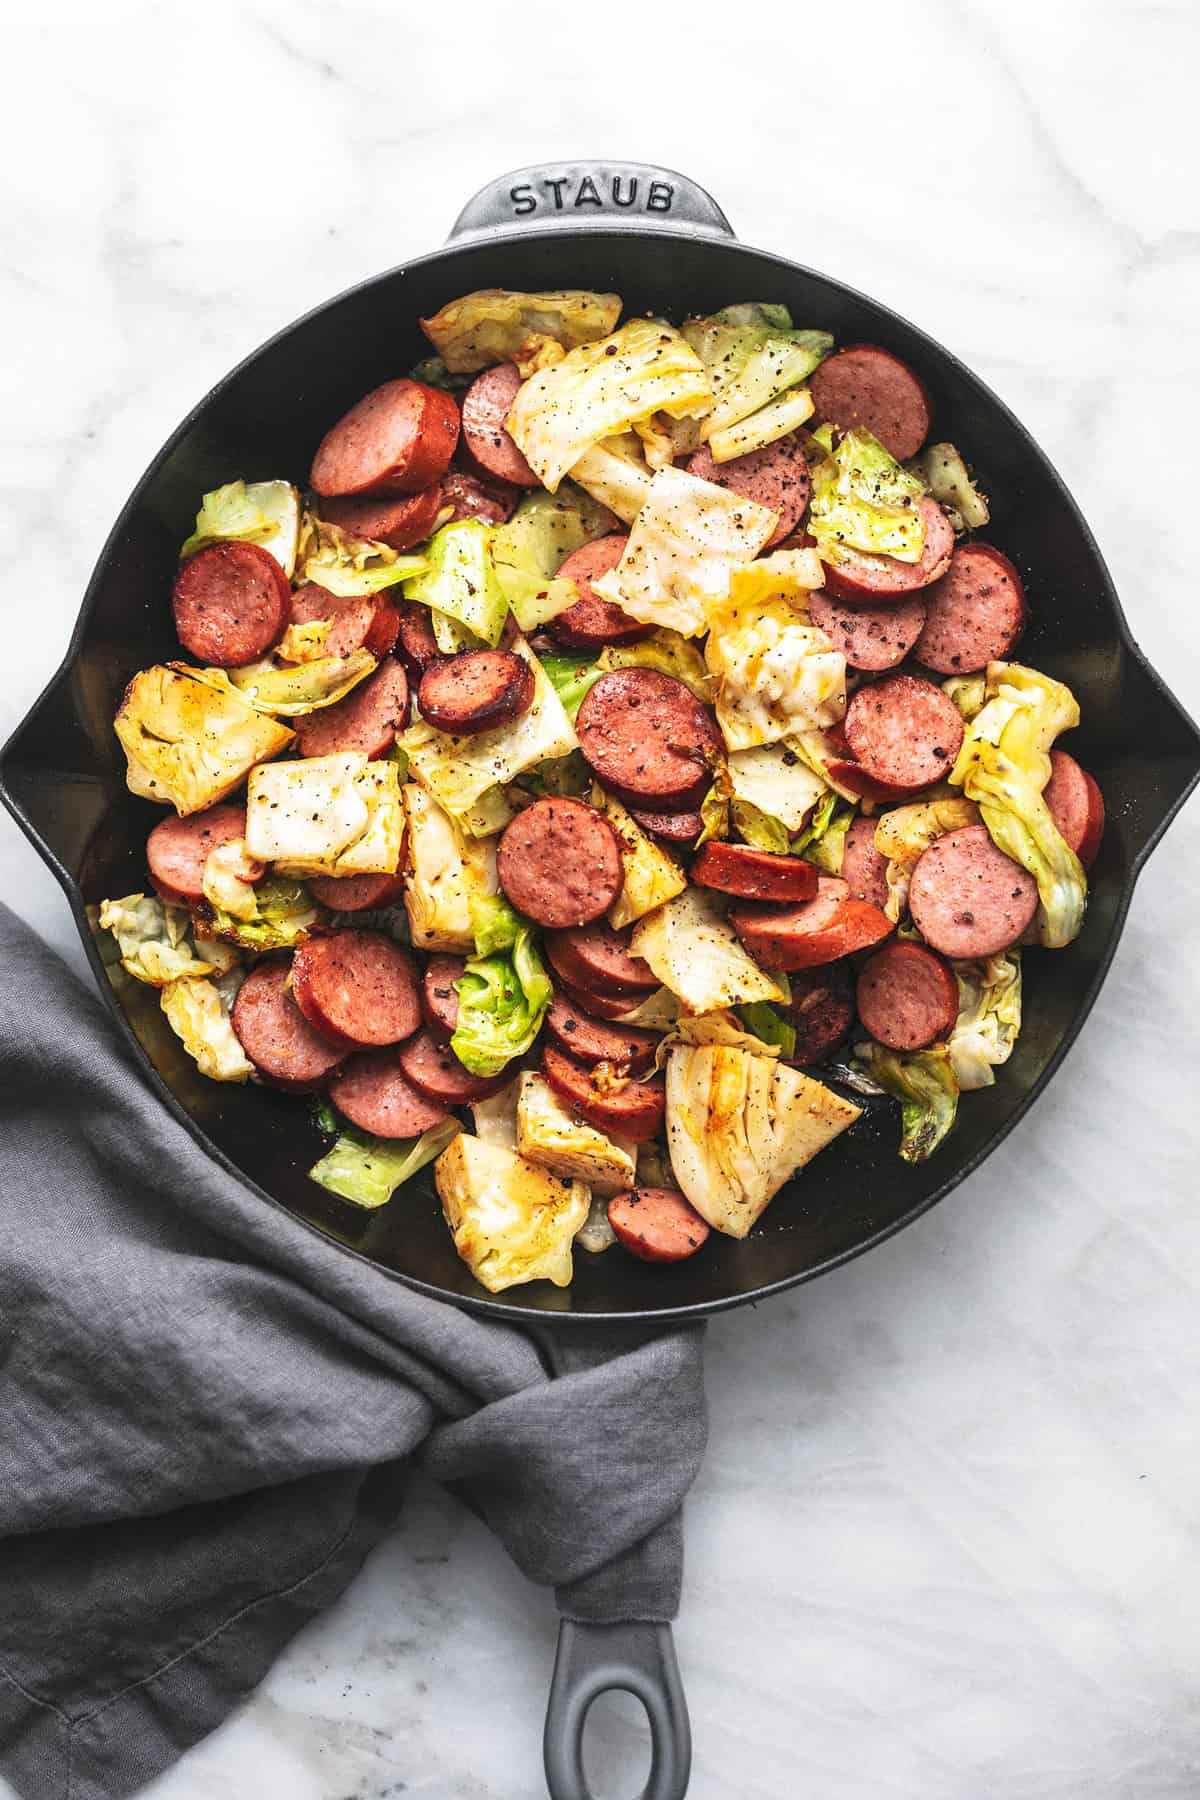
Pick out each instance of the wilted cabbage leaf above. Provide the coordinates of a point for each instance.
(496, 325)
(348, 566)
(785, 414)
(266, 513)
(155, 940)
(283, 915)
(511, 1220)
(862, 499)
(447, 871)
(944, 473)
(667, 651)
(599, 389)
(556, 1139)
(197, 1010)
(751, 362)
(777, 674)
(527, 551)
(502, 999)
(989, 1017)
(596, 1234)
(615, 474)
(290, 692)
(229, 876)
(571, 674)
(823, 840)
(739, 1124)
(652, 876)
(460, 580)
(775, 781)
(766, 1023)
(1003, 766)
(367, 1170)
(924, 1083)
(188, 742)
(326, 815)
(694, 950)
(903, 835)
(968, 692)
(496, 1118)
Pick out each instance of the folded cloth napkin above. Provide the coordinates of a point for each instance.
(206, 1409)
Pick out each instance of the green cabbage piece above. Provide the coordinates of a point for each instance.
(367, 1170)
(714, 812)
(767, 1023)
(784, 414)
(968, 692)
(565, 777)
(757, 828)
(862, 499)
(944, 473)
(615, 474)
(925, 1084)
(527, 551)
(460, 579)
(756, 312)
(433, 372)
(823, 840)
(155, 939)
(286, 913)
(571, 677)
(751, 362)
(290, 691)
(496, 325)
(495, 924)
(503, 995)
(989, 1017)
(266, 513)
(1004, 765)
(348, 566)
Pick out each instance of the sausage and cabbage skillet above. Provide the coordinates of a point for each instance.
(613, 767)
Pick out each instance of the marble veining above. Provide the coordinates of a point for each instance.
(945, 1543)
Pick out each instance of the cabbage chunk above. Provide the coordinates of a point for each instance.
(554, 1138)
(495, 325)
(290, 692)
(326, 815)
(1003, 766)
(652, 876)
(600, 389)
(739, 1124)
(925, 1085)
(989, 1018)
(777, 674)
(447, 871)
(155, 940)
(751, 361)
(786, 413)
(905, 833)
(863, 500)
(283, 915)
(348, 566)
(228, 880)
(187, 742)
(777, 782)
(461, 582)
(944, 473)
(266, 513)
(685, 544)
(511, 1220)
(694, 950)
(615, 474)
(197, 1011)
(527, 551)
(367, 1170)
(504, 991)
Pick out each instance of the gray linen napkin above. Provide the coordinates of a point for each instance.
(206, 1410)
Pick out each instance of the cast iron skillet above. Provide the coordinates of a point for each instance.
(665, 246)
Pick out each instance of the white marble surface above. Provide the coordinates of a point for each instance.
(944, 1545)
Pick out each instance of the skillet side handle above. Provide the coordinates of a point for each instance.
(639, 1658)
(579, 193)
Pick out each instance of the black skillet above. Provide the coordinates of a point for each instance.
(663, 244)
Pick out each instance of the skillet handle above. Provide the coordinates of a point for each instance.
(582, 193)
(639, 1658)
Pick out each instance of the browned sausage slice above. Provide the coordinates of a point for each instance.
(657, 1224)
(775, 477)
(360, 622)
(231, 603)
(864, 388)
(486, 405)
(399, 523)
(436, 1071)
(472, 498)
(356, 893)
(1076, 806)
(907, 997)
(676, 828)
(559, 862)
(592, 622)
(274, 1033)
(367, 720)
(417, 647)
(439, 996)
(818, 931)
(975, 613)
(398, 439)
(874, 580)
(476, 691)
(754, 874)
(967, 898)
(599, 1006)
(904, 731)
(177, 850)
(864, 868)
(356, 988)
(597, 959)
(591, 1041)
(372, 1091)
(648, 739)
(821, 1011)
(869, 637)
(628, 1109)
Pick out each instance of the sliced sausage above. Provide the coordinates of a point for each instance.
(860, 576)
(559, 862)
(974, 614)
(274, 1033)
(821, 1011)
(373, 1092)
(818, 931)
(592, 1041)
(356, 893)
(864, 388)
(754, 874)
(476, 691)
(599, 1006)
(398, 439)
(648, 739)
(436, 1071)
(417, 647)
(177, 850)
(869, 637)
(907, 997)
(357, 988)
(360, 621)
(366, 720)
(473, 498)
(864, 868)
(967, 898)
(439, 996)
(597, 959)
(592, 622)
(399, 523)
(231, 603)
(627, 1108)
(1076, 806)
(486, 405)
(775, 477)
(676, 828)
(904, 732)
(657, 1224)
